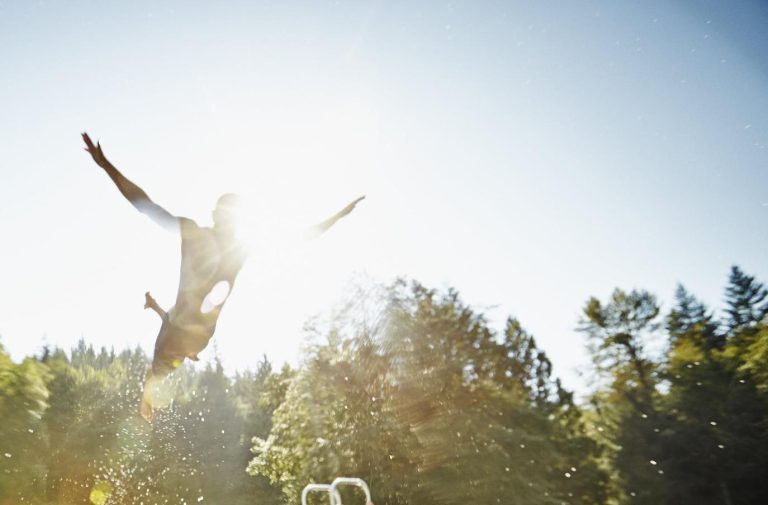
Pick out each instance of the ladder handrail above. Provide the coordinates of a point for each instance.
(333, 494)
(352, 481)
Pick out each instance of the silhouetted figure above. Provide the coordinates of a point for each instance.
(211, 258)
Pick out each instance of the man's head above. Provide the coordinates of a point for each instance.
(227, 210)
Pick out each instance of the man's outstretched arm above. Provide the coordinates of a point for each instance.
(131, 191)
(320, 228)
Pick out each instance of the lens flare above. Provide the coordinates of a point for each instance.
(100, 493)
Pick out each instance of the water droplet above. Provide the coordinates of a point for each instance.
(653, 462)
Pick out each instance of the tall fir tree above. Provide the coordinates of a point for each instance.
(746, 300)
(626, 399)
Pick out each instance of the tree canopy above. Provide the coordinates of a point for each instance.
(413, 390)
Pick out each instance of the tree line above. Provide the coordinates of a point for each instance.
(412, 389)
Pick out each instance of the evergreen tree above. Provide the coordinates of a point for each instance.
(699, 383)
(626, 399)
(23, 399)
(689, 314)
(746, 300)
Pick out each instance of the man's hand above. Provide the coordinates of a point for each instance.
(346, 210)
(95, 151)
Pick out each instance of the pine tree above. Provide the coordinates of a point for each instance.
(626, 399)
(746, 300)
(690, 314)
(23, 398)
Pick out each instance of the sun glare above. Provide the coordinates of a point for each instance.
(305, 169)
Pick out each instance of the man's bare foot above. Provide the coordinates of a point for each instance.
(149, 301)
(145, 409)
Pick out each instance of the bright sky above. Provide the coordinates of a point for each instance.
(530, 154)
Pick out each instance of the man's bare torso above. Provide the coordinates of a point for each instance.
(210, 263)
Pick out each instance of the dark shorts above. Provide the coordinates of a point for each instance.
(174, 344)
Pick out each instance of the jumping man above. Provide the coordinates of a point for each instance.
(211, 258)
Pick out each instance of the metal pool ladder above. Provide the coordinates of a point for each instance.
(332, 489)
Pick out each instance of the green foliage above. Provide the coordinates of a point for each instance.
(746, 298)
(687, 426)
(626, 401)
(412, 390)
(429, 405)
(71, 432)
(23, 400)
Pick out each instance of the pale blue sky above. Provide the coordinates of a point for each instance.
(530, 154)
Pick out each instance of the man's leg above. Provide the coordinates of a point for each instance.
(145, 408)
(151, 303)
(159, 367)
(152, 396)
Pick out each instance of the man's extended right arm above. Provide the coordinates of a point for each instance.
(131, 191)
